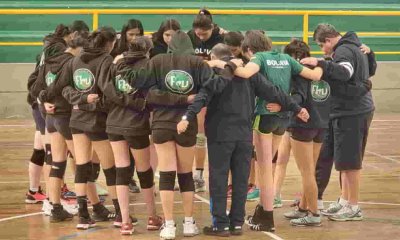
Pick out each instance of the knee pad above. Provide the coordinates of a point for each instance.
(167, 181)
(186, 183)
(201, 140)
(58, 169)
(146, 178)
(83, 172)
(111, 176)
(95, 172)
(123, 176)
(48, 157)
(38, 157)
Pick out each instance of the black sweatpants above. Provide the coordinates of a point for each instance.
(222, 157)
(325, 162)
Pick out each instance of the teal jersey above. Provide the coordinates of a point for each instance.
(279, 69)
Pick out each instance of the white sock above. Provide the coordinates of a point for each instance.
(34, 189)
(189, 220)
(343, 202)
(169, 223)
(198, 173)
(354, 208)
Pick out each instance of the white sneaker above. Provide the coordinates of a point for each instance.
(47, 207)
(190, 229)
(70, 208)
(320, 205)
(167, 232)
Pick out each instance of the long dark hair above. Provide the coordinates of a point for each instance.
(60, 32)
(131, 24)
(168, 24)
(100, 37)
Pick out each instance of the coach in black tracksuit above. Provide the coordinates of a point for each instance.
(228, 127)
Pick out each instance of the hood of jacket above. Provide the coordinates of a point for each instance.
(181, 44)
(89, 54)
(348, 38)
(57, 62)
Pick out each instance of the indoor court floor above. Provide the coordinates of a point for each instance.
(379, 194)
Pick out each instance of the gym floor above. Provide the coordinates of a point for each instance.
(379, 195)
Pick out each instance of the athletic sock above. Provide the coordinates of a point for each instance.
(354, 207)
(342, 201)
(169, 223)
(33, 190)
(83, 209)
(188, 219)
(199, 173)
(116, 206)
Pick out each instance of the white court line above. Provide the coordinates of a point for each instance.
(382, 156)
(41, 213)
(364, 203)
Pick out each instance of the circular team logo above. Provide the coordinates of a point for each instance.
(320, 90)
(83, 80)
(122, 86)
(50, 77)
(179, 81)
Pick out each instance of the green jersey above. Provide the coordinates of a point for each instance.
(279, 69)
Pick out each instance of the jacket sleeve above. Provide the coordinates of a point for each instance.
(270, 93)
(106, 85)
(201, 100)
(299, 90)
(73, 96)
(159, 97)
(372, 65)
(39, 83)
(216, 83)
(342, 66)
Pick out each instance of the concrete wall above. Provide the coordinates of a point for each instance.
(13, 79)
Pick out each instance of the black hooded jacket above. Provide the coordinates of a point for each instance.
(347, 74)
(179, 72)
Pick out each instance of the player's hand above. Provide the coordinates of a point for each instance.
(92, 98)
(217, 63)
(182, 126)
(311, 61)
(190, 98)
(273, 107)
(303, 115)
(50, 108)
(365, 49)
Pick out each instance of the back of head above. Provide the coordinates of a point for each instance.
(233, 39)
(79, 26)
(132, 24)
(221, 52)
(203, 22)
(61, 31)
(101, 37)
(324, 31)
(141, 45)
(297, 49)
(181, 44)
(206, 12)
(256, 41)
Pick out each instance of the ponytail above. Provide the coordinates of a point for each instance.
(100, 37)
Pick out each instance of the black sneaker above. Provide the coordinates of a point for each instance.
(266, 222)
(214, 231)
(58, 214)
(102, 214)
(236, 230)
(85, 223)
(133, 188)
(255, 218)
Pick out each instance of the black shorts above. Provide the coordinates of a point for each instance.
(40, 122)
(59, 124)
(274, 124)
(161, 136)
(316, 135)
(93, 136)
(135, 142)
(350, 138)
